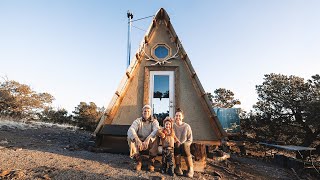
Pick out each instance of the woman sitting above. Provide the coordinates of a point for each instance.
(184, 134)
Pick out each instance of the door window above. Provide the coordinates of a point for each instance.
(161, 94)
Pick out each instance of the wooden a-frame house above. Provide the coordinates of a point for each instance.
(161, 74)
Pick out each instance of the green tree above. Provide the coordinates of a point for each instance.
(87, 115)
(19, 101)
(223, 98)
(59, 116)
(157, 94)
(288, 109)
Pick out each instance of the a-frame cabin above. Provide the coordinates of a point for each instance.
(160, 74)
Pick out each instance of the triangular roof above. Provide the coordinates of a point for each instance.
(140, 55)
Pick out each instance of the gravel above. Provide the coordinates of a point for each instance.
(35, 150)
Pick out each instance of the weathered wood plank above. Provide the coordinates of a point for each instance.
(112, 144)
(114, 130)
(199, 151)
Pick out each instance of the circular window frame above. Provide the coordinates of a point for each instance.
(158, 45)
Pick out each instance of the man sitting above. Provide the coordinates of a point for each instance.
(142, 136)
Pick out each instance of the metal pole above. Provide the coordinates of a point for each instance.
(130, 16)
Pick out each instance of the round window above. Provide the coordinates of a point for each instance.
(161, 51)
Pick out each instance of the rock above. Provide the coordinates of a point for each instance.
(222, 158)
(4, 173)
(46, 177)
(4, 142)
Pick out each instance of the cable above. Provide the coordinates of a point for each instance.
(142, 18)
(139, 28)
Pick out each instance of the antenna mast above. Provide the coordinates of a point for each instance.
(130, 16)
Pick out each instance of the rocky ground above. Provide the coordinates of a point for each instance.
(47, 151)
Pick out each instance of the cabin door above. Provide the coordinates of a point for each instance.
(161, 94)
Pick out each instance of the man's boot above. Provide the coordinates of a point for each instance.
(190, 166)
(151, 163)
(138, 161)
(178, 170)
(170, 171)
(164, 168)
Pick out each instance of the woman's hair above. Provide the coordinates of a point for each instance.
(179, 110)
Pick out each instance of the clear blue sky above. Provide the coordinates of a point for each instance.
(76, 49)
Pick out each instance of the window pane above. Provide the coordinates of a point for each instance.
(160, 100)
(161, 52)
(161, 86)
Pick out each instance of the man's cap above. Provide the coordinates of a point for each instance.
(147, 106)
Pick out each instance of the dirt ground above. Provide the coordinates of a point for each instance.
(46, 151)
